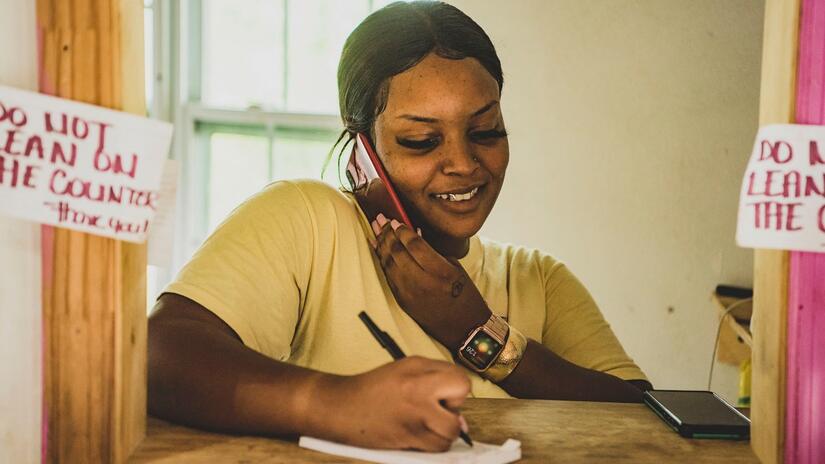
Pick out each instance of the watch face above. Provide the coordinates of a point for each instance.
(482, 350)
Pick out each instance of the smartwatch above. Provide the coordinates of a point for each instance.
(484, 344)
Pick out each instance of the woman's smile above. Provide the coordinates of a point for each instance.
(461, 200)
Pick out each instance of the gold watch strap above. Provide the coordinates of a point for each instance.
(498, 326)
(509, 357)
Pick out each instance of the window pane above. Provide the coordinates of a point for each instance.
(238, 168)
(243, 53)
(301, 154)
(317, 31)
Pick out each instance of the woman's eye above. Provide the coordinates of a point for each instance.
(418, 144)
(487, 135)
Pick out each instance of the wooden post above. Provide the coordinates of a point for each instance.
(769, 324)
(94, 301)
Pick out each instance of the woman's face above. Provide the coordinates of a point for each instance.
(441, 139)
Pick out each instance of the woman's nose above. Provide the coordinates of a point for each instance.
(459, 158)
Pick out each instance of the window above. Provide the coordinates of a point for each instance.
(277, 55)
(251, 88)
(260, 102)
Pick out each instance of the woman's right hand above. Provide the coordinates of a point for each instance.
(396, 406)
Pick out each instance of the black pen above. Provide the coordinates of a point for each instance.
(389, 344)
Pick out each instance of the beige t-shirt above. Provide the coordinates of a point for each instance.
(290, 269)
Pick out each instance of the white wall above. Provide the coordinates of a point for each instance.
(20, 309)
(631, 122)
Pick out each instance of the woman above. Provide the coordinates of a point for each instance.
(259, 333)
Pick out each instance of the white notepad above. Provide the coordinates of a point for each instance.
(459, 453)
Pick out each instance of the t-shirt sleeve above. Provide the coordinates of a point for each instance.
(575, 328)
(253, 271)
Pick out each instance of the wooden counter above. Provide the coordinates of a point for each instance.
(549, 431)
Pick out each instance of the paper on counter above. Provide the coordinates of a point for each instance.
(459, 453)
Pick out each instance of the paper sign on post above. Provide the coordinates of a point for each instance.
(782, 201)
(79, 166)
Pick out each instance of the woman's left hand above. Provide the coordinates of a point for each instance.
(435, 291)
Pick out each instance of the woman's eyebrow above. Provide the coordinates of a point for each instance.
(478, 112)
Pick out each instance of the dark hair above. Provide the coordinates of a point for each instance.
(394, 39)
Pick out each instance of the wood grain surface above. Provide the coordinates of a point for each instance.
(94, 299)
(549, 431)
(770, 285)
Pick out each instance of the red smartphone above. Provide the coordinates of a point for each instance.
(371, 185)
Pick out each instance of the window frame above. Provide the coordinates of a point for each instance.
(187, 111)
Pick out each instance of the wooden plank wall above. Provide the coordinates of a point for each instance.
(95, 300)
(805, 427)
(769, 324)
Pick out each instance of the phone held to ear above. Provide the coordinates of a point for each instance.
(370, 184)
(698, 414)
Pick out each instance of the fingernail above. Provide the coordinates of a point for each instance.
(419, 232)
(464, 427)
(375, 227)
(381, 219)
(395, 224)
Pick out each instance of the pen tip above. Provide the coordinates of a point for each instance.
(466, 438)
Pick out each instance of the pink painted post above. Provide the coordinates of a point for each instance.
(805, 427)
(805, 433)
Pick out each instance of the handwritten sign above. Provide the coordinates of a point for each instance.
(79, 166)
(782, 201)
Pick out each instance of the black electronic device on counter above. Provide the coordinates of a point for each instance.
(698, 414)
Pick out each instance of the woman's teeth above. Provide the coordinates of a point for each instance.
(457, 196)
